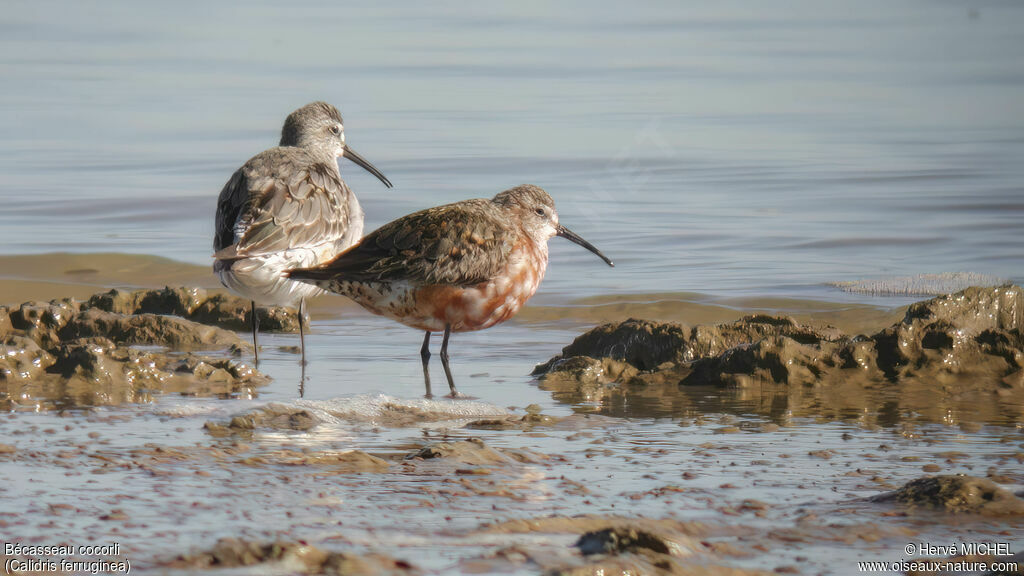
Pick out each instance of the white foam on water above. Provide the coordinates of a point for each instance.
(920, 284)
(377, 407)
(339, 419)
(186, 408)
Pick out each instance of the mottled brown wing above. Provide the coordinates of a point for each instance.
(268, 214)
(459, 244)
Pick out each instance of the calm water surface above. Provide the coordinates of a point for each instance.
(706, 147)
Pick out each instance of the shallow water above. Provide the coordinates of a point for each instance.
(730, 159)
(706, 148)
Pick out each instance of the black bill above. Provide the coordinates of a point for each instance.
(365, 165)
(573, 237)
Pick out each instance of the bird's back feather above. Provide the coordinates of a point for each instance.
(459, 244)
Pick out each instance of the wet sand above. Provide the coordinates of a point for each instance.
(45, 277)
(195, 463)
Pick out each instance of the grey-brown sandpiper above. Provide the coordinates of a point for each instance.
(288, 207)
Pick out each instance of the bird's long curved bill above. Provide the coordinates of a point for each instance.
(573, 237)
(365, 165)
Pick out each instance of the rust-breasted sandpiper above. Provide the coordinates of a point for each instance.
(288, 207)
(454, 268)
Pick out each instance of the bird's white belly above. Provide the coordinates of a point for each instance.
(260, 279)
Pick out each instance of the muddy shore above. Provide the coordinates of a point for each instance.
(780, 443)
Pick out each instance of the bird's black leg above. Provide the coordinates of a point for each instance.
(255, 329)
(302, 329)
(425, 356)
(444, 360)
(302, 346)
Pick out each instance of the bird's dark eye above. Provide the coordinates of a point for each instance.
(335, 130)
(539, 211)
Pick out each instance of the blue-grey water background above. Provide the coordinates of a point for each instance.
(720, 148)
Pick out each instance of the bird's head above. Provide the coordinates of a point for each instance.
(536, 210)
(318, 126)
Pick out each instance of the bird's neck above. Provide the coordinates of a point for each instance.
(325, 157)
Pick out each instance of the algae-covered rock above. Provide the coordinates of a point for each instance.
(179, 301)
(957, 494)
(5, 321)
(117, 301)
(474, 452)
(69, 354)
(641, 343)
(21, 359)
(973, 310)
(88, 358)
(949, 356)
(234, 313)
(43, 321)
(646, 344)
(295, 557)
(777, 359)
(618, 545)
(347, 462)
(525, 422)
(622, 539)
(223, 310)
(168, 331)
(976, 332)
(272, 416)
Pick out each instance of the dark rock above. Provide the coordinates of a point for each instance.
(474, 452)
(957, 494)
(618, 545)
(114, 300)
(223, 310)
(219, 369)
(234, 552)
(621, 539)
(176, 301)
(642, 343)
(151, 329)
(5, 322)
(973, 310)
(976, 332)
(42, 322)
(959, 356)
(777, 359)
(34, 314)
(61, 355)
(349, 462)
(301, 557)
(646, 345)
(179, 301)
(273, 416)
(525, 422)
(652, 346)
(22, 359)
(88, 358)
(599, 371)
(233, 313)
